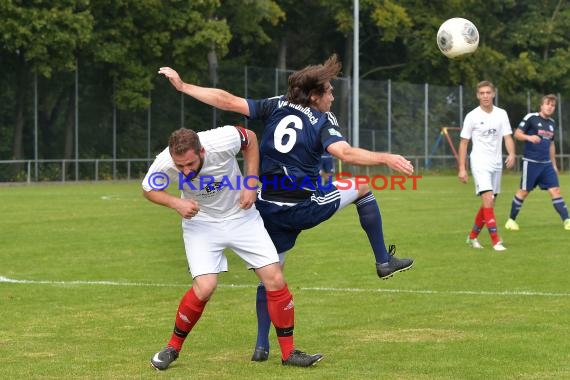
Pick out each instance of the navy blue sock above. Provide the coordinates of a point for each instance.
(371, 222)
(516, 207)
(560, 207)
(263, 320)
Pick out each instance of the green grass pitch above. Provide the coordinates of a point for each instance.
(92, 273)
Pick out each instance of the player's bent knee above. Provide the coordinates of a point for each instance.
(554, 192)
(271, 276)
(204, 286)
(363, 189)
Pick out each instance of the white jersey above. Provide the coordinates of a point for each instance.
(486, 131)
(218, 185)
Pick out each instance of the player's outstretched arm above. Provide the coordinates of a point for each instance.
(359, 156)
(212, 96)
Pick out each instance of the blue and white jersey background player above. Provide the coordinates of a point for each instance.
(298, 129)
(326, 166)
(486, 126)
(539, 168)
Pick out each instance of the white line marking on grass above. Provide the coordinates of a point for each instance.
(507, 293)
(80, 282)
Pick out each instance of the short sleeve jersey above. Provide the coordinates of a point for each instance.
(486, 131)
(293, 139)
(535, 125)
(217, 186)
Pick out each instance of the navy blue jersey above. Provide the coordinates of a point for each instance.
(534, 124)
(293, 140)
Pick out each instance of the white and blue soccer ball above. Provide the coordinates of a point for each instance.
(456, 37)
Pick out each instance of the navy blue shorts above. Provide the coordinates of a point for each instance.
(535, 174)
(284, 222)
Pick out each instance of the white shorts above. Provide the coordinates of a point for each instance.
(486, 180)
(347, 196)
(205, 242)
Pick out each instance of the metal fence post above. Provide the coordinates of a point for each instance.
(561, 133)
(426, 124)
(77, 120)
(114, 128)
(36, 125)
(460, 106)
(149, 124)
(389, 116)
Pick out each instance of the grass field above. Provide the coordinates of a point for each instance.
(91, 275)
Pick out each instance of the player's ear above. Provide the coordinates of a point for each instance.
(313, 99)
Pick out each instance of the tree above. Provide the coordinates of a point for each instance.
(40, 37)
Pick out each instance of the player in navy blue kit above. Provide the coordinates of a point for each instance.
(326, 166)
(299, 128)
(539, 168)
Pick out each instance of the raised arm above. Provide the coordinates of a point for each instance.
(212, 96)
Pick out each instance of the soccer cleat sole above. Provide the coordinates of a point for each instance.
(397, 271)
(156, 368)
(163, 364)
(318, 360)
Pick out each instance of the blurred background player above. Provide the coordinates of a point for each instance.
(216, 217)
(486, 126)
(539, 168)
(326, 167)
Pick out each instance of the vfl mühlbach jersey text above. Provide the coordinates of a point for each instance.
(292, 142)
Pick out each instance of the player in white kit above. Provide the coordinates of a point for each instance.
(217, 205)
(486, 126)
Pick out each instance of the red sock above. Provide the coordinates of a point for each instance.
(282, 314)
(189, 312)
(479, 223)
(489, 216)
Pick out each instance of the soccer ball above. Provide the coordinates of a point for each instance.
(457, 36)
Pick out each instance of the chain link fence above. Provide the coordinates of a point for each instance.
(71, 130)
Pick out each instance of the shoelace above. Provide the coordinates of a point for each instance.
(392, 249)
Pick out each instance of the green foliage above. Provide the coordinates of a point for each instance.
(250, 19)
(392, 19)
(48, 35)
(121, 44)
(149, 32)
